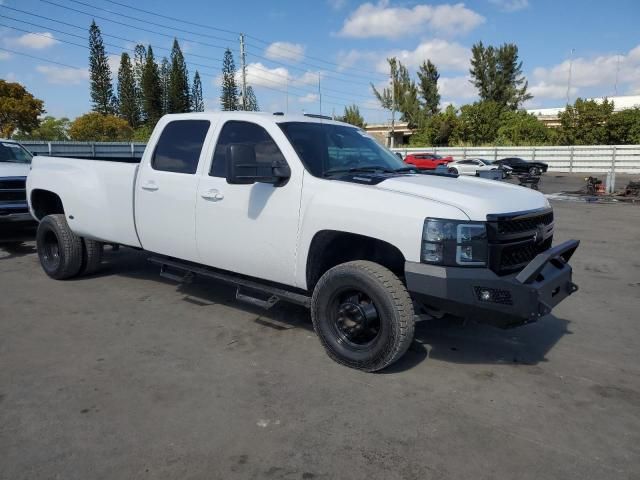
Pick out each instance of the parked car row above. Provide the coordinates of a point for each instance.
(471, 166)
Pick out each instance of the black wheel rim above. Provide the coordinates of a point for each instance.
(50, 250)
(355, 319)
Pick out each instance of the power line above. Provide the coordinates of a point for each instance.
(85, 46)
(120, 14)
(133, 26)
(84, 29)
(337, 72)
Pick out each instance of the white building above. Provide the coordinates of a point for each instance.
(549, 116)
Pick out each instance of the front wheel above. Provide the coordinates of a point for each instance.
(535, 171)
(363, 315)
(59, 249)
(453, 170)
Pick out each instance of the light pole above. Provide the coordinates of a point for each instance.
(569, 78)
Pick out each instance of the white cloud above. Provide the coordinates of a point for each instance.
(381, 20)
(445, 55)
(63, 75)
(293, 52)
(36, 40)
(5, 55)
(457, 88)
(114, 65)
(309, 98)
(259, 75)
(347, 59)
(337, 4)
(597, 72)
(510, 5)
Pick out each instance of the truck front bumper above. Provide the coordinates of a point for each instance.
(502, 301)
(16, 223)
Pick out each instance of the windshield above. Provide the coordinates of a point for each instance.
(327, 149)
(14, 153)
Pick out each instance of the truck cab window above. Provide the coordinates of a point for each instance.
(247, 133)
(179, 146)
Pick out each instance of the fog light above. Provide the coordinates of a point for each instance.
(485, 295)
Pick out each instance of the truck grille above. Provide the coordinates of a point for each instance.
(13, 189)
(515, 239)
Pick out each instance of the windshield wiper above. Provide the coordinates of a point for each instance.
(406, 169)
(366, 168)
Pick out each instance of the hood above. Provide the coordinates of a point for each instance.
(11, 169)
(477, 197)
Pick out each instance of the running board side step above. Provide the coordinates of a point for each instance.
(185, 272)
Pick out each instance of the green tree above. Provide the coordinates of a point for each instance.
(165, 75)
(229, 96)
(102, 96)
(624, 127)
(139, 61)
(151, 90)
(50, 129)
(179, 95)
(497, 75)
(586, 122)
(352, 116)
(197, 100)
(428, 83)
(252, 101)
(478, 123)
(19, 109)
(128, 101)
(521, 128)
(97, 127)
(142, 133)
(437, 130)
(404, 95)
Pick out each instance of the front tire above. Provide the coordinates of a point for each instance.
(59, 249)
(363, 315)
(453, 170)
(535, 171)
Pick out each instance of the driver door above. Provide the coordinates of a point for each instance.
(249, 229)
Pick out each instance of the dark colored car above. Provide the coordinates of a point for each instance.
(522, 166)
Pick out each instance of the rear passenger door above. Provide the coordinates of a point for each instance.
(166, 189)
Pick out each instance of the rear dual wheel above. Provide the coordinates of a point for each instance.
(363, 315)
(62, 253)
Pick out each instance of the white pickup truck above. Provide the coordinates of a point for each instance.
(313, 211)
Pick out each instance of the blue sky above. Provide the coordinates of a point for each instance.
(344, 43)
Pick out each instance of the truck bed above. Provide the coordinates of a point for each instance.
(97, 195)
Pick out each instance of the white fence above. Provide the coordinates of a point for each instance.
(593, 158)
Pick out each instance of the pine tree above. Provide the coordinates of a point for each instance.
(497, 74)
(128, 102)
(229, 96)
(252, 101)
(151, 90)
(406, 95)
(179, 101)
(197, 100)
(352, 116)
(139, 61)
(428, 76)
(100, 74)
(165, 73)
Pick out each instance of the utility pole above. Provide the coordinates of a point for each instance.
(319, 93)
(392, 141)
(569, 79)
(243, 62)
(615, 87)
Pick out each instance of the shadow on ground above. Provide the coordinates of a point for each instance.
(448, 339)
(16, 249)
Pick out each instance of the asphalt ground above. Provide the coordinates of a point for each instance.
(126, 375)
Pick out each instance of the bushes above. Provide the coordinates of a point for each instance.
(100, 128)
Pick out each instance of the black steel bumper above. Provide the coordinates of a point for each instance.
(502, 301)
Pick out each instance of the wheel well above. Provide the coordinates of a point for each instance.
(330, 248)
(44, 202)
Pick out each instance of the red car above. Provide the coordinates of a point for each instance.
(426, 161)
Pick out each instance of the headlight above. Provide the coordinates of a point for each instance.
(454, 242)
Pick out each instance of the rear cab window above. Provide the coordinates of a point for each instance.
(179, 146)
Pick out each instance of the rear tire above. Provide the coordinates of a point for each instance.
(91, 256)
(59, 249)
(363, 315)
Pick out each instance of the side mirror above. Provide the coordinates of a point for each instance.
(243, 169)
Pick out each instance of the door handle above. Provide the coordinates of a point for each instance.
(213, 195)
(150, 186)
